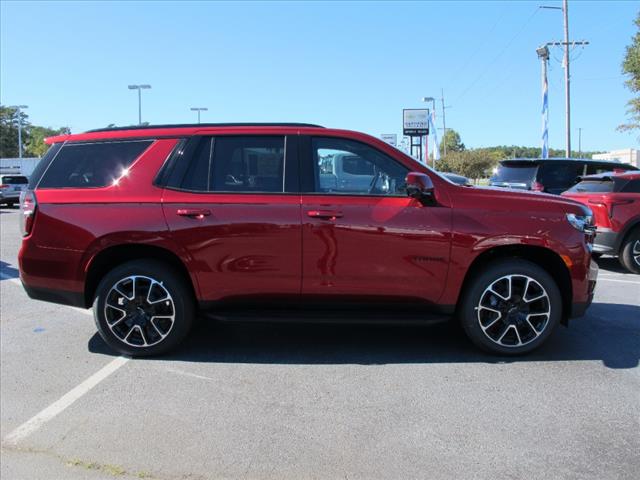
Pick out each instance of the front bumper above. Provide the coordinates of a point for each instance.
(578, 309)
(606, 241)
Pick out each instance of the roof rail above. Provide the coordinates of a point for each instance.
(203, 125)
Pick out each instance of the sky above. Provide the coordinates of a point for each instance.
(352, 65)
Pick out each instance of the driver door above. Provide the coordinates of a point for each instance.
(362, 236)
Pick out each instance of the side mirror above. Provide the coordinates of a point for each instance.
(420, 187)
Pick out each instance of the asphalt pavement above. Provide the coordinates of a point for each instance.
(317, 401)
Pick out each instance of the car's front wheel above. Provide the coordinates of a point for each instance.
(143, 308)
(511, 307)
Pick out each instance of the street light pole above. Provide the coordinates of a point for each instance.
(199, 109)
(139, 88)
(426, 161)
(19, 109)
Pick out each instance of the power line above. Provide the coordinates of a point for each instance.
(497, 57)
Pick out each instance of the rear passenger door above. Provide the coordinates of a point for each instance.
(227, 203)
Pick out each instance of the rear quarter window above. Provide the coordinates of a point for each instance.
(90, 165)
(14, 180)
(593, 186)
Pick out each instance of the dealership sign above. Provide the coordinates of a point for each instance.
(415, 121)
(390, 138)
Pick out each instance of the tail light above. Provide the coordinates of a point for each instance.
(3, 186)
(537, 187)
(28, 206)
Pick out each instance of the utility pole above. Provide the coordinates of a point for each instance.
(444, 126)
(567, 77)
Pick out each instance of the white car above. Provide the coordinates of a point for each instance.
(11, 186)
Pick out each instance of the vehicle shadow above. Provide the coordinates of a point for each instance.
(611, 264)
(610, 333)
(7, 271)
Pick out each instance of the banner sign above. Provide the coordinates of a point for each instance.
(415, 121)
(390, 138)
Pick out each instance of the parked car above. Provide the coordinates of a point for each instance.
(11, 186)
(615, 202)
(457, 179)
(149, 225)
(551, 175)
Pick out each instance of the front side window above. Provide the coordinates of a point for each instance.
(349, 167)
(87, 165)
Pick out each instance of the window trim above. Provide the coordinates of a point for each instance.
(308, 170)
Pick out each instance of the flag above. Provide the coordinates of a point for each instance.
(432, 128)
(545, 116)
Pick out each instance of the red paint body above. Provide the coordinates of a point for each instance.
(296, 245)
(615, 213)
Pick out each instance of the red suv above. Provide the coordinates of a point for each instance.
(265, 222)
(615, 201)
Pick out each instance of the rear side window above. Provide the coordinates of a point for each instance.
(593, 186)
(14, 180)
(632, 186)
(560, 175)
(247, 164)
(90, 165)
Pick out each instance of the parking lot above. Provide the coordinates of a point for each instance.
(317, 401)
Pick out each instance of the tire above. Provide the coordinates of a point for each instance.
(533, 307)
(629, 256)
(143, 308)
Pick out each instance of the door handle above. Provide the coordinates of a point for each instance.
(198, 213)
(326, 214)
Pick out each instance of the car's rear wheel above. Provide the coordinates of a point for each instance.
(511, 307)
(143, 308)
(630, 252)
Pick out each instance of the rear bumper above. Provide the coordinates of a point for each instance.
(63, 297)
(606, 241)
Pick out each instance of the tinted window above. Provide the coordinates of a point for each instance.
(514, 173)
(594, 186)
(197, 174)
(593, 168)
(344, 166)
(633, 186)
(86, 165)
(247, 164)
(14, 180)
(559, 175)
(42, 165)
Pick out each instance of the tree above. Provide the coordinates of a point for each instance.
(470, 163)
(631, 67)
(452, 140)
(35, 146)
(9, 131)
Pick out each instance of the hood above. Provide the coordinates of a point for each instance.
(540, 200)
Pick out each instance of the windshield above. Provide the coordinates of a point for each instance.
(511, 173)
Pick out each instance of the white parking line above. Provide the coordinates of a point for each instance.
(617, 280)
(34, 423)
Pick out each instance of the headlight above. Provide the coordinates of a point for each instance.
(582, 223)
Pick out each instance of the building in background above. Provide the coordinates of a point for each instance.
(22, 166)
(626, 155)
